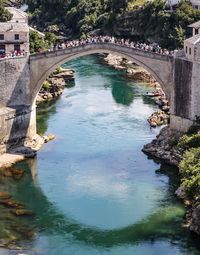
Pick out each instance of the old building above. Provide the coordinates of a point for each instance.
(14, 34)
(192, 48)
(195, 28)
(195, 4)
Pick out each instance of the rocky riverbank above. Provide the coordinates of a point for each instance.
(28, 150)
(137, 73)
(165, 147)
(133, 71)
(55, 84)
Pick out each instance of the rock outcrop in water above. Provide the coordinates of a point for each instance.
(133, 71)
(163, 147)
(55, 84)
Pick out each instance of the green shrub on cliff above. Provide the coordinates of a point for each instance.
(190, 172)
(46, 85)
(189, 141)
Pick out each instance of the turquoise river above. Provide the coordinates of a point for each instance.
(92, 190)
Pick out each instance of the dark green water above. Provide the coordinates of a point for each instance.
(92, 190)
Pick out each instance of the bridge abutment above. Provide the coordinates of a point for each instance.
(185, 103)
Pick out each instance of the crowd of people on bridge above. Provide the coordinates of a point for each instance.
(153, 47)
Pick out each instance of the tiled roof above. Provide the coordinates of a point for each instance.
(17, 13)
(193, 40)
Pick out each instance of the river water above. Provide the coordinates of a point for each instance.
(92, 190)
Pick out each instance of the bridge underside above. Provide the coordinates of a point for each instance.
(160, 67)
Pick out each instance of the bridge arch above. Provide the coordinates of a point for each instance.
(43, 64)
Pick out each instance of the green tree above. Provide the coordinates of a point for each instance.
(119, 5)
(50, 39)
(5, 15)
(36, 43)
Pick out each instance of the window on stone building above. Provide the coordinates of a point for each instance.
(196, 31)
(186, 49)
(1, 36)
(17, 47)
(16, 36)
(2, 49)
(190, 51)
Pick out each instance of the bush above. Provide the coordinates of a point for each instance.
(190, 172)
(189, 141)
(46, 85)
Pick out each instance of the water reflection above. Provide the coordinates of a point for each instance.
(122, 94)
(163, 223)
(44, 111)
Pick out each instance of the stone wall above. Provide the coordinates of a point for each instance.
(182, 88)
(17, 116)
(14, 82)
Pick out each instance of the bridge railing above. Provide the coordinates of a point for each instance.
(82, 46)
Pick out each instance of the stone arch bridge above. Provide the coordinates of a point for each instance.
(22, 78)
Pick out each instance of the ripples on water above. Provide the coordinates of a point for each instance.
(92, 189)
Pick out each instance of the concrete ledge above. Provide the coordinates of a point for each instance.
(7, 160)
(180, 124)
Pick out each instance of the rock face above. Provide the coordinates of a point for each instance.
(163, 147)
(193, 218)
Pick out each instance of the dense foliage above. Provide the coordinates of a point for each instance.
(190, 164)
(190, 171)
(39, 44)
(156, 22)
(77, 17)
(153, 22)
(4, 14)
(189, 141)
